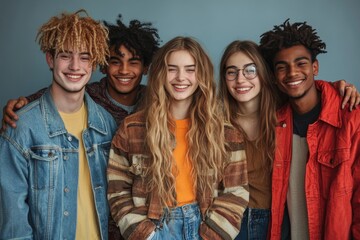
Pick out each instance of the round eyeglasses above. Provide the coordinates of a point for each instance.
(249, 72)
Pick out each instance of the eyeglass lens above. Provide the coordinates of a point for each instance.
(249, 72)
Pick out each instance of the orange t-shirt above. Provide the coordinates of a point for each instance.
(185, 184)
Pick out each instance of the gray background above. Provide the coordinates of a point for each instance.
(214, 23)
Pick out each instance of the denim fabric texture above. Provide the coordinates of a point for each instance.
(179, 223)
(39, 171)
(254, 225)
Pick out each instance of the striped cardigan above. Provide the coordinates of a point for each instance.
(133, 209)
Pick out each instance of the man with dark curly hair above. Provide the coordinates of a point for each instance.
(119, 92)
(53, 165)
(316, 173)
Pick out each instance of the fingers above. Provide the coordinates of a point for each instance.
(7, 120)
(352, 97)
(22, 101)
(357, 100)
(347, 96)
(3, 125)
(9, 115)
(342, 86)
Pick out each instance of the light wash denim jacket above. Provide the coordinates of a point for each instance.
(39, 171)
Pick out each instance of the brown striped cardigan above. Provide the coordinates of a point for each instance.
(133, 208)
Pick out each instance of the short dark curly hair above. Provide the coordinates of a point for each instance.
(287, 35)
(141, 39)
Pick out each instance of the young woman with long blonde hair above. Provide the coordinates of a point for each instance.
(173, 172)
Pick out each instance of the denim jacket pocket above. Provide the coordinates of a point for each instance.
(44, 164)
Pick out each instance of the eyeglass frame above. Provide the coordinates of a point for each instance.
(243, 72)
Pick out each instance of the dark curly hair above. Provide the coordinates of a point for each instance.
(287, 35)
(141, 39)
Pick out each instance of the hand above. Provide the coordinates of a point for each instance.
(350, 94)
(9, 115)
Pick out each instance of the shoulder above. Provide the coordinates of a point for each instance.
(137, 118)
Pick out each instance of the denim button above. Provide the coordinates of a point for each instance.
(66, 190)
(66, 157)
(66, 213)
(69, 138)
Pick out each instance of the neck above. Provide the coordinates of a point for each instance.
(249, 109)
(68, 102)
(127, 99)
(180, 110)
(306, 103)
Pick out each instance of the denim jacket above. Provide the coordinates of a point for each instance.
(39, 171)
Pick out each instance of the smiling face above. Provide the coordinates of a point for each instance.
(181, 77)
(71, 70)
(124, 74)
(242, 89)
(295, 71)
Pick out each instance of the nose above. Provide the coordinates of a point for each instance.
(240, 76)
(124, 68)
(292, 71)
(75, 63)
(181, 75)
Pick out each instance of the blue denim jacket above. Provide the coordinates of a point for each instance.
(39, 171)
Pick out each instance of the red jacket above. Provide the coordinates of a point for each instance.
(332, 181)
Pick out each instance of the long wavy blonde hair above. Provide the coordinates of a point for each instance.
(206, 134)
(265, 142)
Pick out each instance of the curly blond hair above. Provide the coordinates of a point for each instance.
(205, 136)
(76, 32)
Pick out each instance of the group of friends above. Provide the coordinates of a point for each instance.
(265, 152)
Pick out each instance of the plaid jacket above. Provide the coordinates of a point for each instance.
(133, 208)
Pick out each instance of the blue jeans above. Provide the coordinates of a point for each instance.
(254, 225)
(179, 223)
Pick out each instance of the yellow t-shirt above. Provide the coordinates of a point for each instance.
(87, 222)
(185, 190)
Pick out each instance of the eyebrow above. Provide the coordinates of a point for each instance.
(235, 67)
(296, 60)
(117, 57)
(186, 66)
(71, 52)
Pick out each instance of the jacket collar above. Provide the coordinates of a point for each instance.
(54, 123)
(330, 105)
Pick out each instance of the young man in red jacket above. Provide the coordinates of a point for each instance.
(316, 171)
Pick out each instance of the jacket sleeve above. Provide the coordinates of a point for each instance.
(223, 218)
(36, 95)
(355, 228)
(14, 209)
(130, 215)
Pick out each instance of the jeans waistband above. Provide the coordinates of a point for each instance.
(182, 211)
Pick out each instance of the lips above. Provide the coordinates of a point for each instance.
(243, 89)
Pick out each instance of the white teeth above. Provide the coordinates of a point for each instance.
(243, 89)
(181, 86)
(124, 79)
(294, 83)
(73, 76)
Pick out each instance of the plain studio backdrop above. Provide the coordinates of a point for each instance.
(213, 23)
